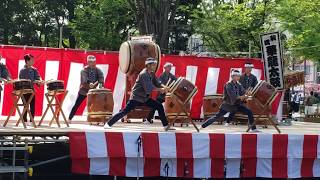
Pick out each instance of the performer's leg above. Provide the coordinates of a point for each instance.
(249, 113)
(158, 106)
(214, 118)
(32, 106)
(26, 97)
(129, 107)
(75, 107)
(153, 110)
(230, 117)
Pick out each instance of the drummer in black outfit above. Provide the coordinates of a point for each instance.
(4, 74)
(164, 78)
(140, 95)
(247, 80)
(233, 98)
(31, 73)
(91, 76)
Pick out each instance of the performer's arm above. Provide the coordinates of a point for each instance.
(156, 82)
(100, 78)
(21, 74)
(84, 78)
(254, 81)
(37, 75)
(5, 73)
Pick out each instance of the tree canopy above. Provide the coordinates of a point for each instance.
(223, 25)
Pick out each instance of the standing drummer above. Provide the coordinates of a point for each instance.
(91, 77)
(247, 80)
(164, 78)
(4, 74)
(233, 98)
(141, 92)
(31, 73)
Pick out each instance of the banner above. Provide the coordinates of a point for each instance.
(208, 74)
(272, 58)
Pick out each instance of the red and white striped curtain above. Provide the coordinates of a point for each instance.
(208, 74)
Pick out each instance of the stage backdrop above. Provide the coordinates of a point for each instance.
(208, 74)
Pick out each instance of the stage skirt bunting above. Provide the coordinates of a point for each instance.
(208, 74)
(195, 155)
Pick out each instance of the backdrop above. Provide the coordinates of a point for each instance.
(208, 74)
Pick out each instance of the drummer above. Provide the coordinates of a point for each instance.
(4, 74)
(248, 81)
(91, 77)
(233, 98)
(140, 95)
(31, 73)
(164, 78)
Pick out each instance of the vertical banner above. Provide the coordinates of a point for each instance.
(272, 58)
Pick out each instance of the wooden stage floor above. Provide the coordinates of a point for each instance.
(138, 126)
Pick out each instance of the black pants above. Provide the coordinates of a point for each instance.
(230, 117)
(32, 106)
(160, 99)
(75, 107)
(222, 112)
(132, 104)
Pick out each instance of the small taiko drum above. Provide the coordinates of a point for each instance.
(57, 85)
(172, 109)
(211, 104)
(183, 89)
(22, 84)
(263, 93)
(100, 105)
(133, 54)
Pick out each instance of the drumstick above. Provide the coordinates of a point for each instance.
(166, 86)
(48, 81)
(168, 82)
(95, 84)
(171, 84)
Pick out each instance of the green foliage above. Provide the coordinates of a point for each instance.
(302, 20)
(228, 26)
(102, 24)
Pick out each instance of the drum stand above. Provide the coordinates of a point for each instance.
(50, 96)
(16, 96)
(269, 117)
(183, 111)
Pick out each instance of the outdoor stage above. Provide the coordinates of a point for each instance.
(297, 128)
(140, 150)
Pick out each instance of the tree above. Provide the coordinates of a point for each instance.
(302, 21)
(164, 19)
(229, 26)
(102, 24)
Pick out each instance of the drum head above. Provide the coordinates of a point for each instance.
(214, 96)
(103, 90)
(55, 81)
(124, 57)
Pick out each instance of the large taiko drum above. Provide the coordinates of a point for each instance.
(263, 93)
(256, 110)
(211, 104)
(133, 54)
(183, 89)
(172, 109)
(100, 105)
(22, 84)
